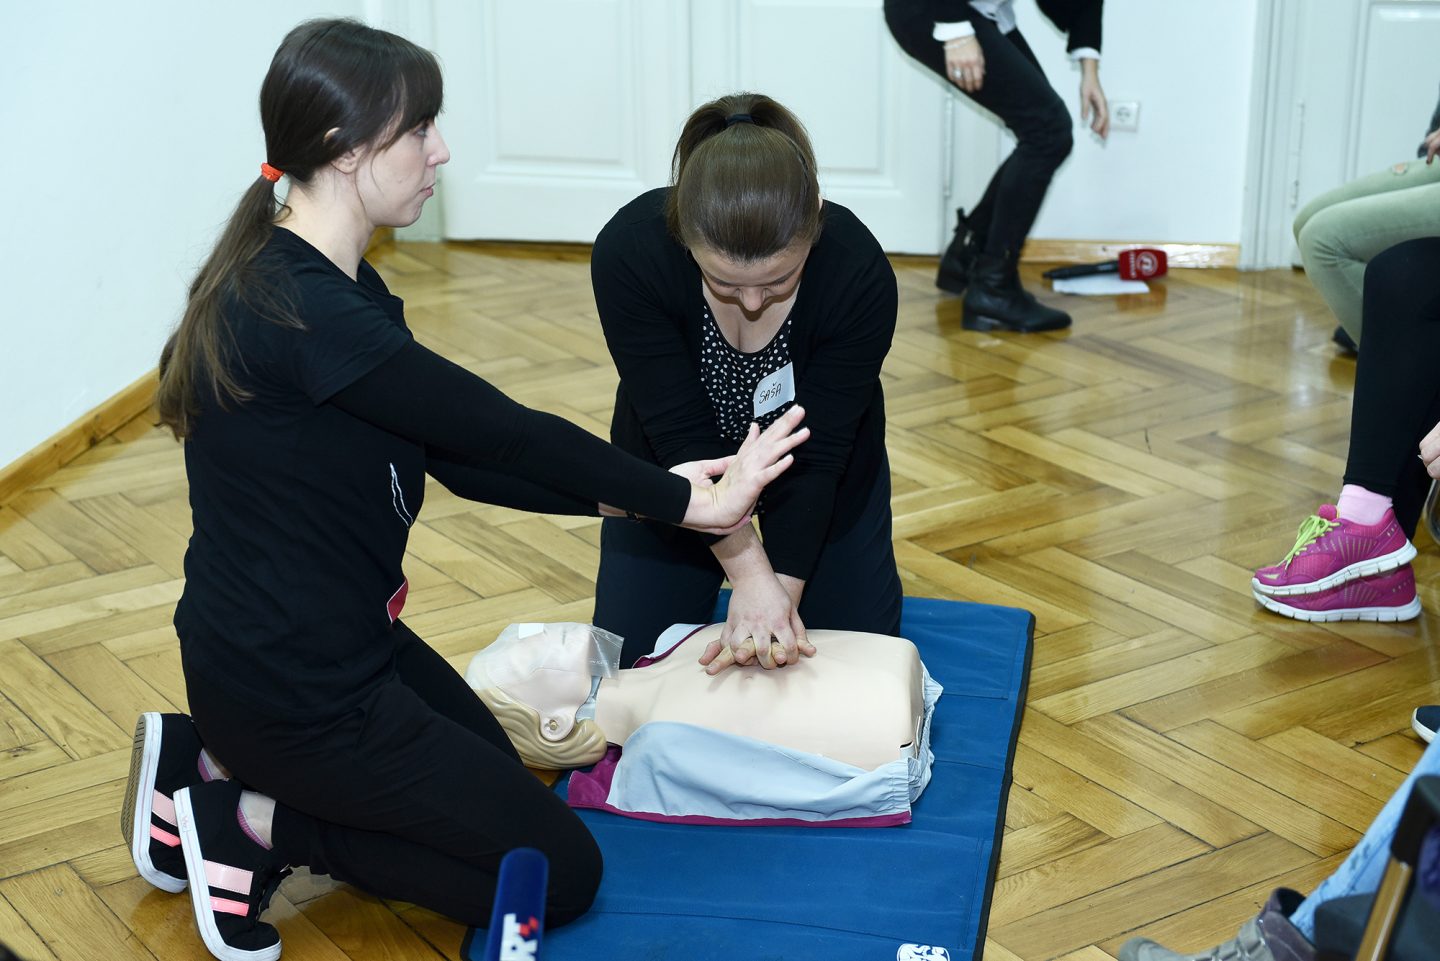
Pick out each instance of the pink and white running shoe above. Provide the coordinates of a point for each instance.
(1380, 597)
(1330, 550)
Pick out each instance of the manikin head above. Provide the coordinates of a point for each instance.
(535, 678)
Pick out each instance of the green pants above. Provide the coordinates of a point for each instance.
(1342, 229)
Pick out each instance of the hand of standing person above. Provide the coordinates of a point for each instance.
(1432, 146)
(965, 63)
(1094, 109)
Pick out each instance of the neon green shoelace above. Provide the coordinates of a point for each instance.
(1312, 529)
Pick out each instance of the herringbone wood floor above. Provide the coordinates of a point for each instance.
(1183, 752)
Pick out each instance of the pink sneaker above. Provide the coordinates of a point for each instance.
(1380, 597)
(1330, 550)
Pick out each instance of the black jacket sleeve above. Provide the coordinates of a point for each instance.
(492, 486)
(657, 372)
(951, 11)
(836, 388)
(1080, 19)
(425, 398)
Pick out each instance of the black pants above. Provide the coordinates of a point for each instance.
(1016, 91)
(1397, 386)
(416, 795)
(652, 576)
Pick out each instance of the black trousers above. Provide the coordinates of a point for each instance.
(1016, 91)
(1397, 386)
(652, 576)
(416, 795)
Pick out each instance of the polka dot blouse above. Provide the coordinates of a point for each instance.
(731, 376)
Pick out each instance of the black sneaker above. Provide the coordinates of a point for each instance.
(166, 758)
(231, 877)
(1425, 721)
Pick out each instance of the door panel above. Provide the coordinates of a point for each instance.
(559, 113)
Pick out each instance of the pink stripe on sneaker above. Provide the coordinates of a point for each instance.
(226, 906)
(158, 833)
(231, 879)
(163, 807)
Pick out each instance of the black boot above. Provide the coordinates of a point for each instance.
(996, 301)
(959, 257)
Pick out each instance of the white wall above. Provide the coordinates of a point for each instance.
(1181, 177)
(129, 131)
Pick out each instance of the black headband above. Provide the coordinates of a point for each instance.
(735, 118)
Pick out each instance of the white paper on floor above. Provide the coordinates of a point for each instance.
(1100, 285)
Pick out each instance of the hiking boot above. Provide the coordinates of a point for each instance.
(1269, 936)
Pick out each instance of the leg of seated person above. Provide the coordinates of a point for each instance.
(1342, 567)
(1342, 230)
(1360, 872)
(416, 795)
(1274, 935)
(1397, 395)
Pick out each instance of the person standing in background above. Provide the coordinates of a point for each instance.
(977, 47)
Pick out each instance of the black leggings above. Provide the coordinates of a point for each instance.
(416, 795)
(1397, 385)
(652, 576)
(1015, 90)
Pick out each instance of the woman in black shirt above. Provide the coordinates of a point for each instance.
(310, 418)
(726, 298)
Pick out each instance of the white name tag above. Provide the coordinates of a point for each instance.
(775, 390)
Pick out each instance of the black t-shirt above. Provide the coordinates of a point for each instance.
(301, 511)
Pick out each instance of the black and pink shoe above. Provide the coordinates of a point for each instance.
(232, 876)
(166, 758)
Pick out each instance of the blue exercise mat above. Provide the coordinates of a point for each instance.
(706, 893)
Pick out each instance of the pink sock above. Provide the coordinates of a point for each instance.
(249, 831)
(1361, 506)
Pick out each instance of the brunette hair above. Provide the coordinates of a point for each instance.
(333, 86)
(743, 180)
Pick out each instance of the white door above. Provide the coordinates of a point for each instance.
(559, 113)
(1350, 86)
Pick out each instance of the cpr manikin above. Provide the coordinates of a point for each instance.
(862, 703)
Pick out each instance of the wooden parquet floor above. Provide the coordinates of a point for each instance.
(1183, 752)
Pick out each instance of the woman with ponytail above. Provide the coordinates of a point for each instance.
(323, 731)
(726, 299)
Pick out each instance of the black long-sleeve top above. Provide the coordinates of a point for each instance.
(1079, 19)
(650, 297)
(303, 495)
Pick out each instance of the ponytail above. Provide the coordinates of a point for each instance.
(743, 180)
(199, 354)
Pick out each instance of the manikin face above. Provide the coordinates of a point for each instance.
(752, 286)
(395, 182)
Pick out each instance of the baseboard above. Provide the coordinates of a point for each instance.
(1083, 251)
(70, 443)
(1034, 251)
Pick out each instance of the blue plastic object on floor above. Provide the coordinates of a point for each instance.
(842, 894)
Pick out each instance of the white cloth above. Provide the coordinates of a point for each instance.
(670, 769)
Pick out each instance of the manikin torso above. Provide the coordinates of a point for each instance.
(859, 700)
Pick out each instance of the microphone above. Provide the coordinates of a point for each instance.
(518, 917)
(1140, 263)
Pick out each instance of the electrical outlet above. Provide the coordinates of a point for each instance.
(1125, 115)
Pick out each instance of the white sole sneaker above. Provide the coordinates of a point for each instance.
(139, 803)
(1382, 615)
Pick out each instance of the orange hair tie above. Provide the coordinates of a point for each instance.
(270, 173)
